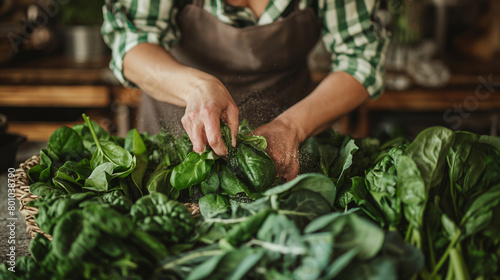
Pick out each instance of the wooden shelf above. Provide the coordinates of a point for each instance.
(37, 131)
(55, 96)
(54, 76)
(435, 100)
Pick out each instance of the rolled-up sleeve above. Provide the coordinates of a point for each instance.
(128, 23)
(357, 45)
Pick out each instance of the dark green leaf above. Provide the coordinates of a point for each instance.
(212, 205)
(99, 179)
(193, 170)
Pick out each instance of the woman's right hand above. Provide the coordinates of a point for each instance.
(206, 99)
(207, 102)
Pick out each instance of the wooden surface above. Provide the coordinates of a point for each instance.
(436, 100)
(127, 96)
(57, 70)
(37, 131)
(54, 76)
(54, 96)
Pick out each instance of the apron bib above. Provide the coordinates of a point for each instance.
(264, 67)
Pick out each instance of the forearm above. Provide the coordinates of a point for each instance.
(156, 72)
(338, 94)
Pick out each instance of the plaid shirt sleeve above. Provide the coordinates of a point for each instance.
(356, 44)
(128, 23)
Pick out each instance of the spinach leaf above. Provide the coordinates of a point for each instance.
(317, 257)
(83, 130)
(365, 200)
(253, 166)
(491, 140)
(429, 151)
(350, 232)
(458, 154)
(40, 247)
(246, 229)
(67, 183)
(480, 212)
(72, 238)
(193, 170)
(381, 183)
(159, 181)
(309, 156)
(43, 189)
(108, 220)
(303, 206)
(107, 151)
(313, 182)
(412, 190)
(167, 220)
(280, 237)
(118, 201)
(66, 144)
(100, 178)
(230, 265)
(231, 185)
(212, 205)
(212, 183)
(43, 171)
(140, 152)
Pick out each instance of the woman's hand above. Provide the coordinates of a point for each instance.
(283, 139)
(207, 102)
(206, 99)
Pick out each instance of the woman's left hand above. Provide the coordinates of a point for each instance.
(283, 139)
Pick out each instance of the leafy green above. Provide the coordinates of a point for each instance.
(167, 220)
(159, 181)
(193, 170)
(109, 152)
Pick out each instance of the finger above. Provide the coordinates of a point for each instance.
(196, 133)
(232, 121)
(213, 134)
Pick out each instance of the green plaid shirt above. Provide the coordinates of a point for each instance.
(356, 44)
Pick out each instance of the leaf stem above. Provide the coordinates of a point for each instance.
(458, 264)
(192, 256)
(408, 233)
(445, 256)
(92, 131)
(431, 248)
(226, 221)
(289, 212)
(453, 199)
(284, 249)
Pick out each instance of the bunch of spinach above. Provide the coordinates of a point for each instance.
(441, 192)
(92, 239)
(290, 233)
(109, 203)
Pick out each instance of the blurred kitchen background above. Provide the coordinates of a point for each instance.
(443, 68)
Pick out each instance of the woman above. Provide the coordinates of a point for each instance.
(208, 60)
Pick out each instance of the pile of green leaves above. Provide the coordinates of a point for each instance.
(442, 192)
(291, 233)
(113, 207)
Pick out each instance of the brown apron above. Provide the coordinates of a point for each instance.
(264, 67)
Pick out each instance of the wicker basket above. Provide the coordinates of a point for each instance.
(24, 196)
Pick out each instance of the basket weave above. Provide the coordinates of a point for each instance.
(24, 196)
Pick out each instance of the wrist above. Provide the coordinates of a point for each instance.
(196, 84)
(292, 126)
